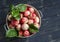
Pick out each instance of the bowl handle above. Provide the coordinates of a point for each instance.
(5, 27)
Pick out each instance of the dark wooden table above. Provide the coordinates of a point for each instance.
(50, 28)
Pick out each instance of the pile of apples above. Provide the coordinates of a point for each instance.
(26, 18)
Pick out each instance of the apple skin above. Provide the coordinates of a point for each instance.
(25, 26)
(11, 26)
(30, 21)
(20, 33)
(37, 25)
(26, 13)
(32, 16)
(18, 27)
(31, 10)
(26, 33)
(24, 20)
(14, 22)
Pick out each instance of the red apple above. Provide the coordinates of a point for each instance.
(14, 22)
(20, 33)
(26, 33)
(11, 26)
(18, 27)
(30, 21)
(31, 10)
(27, 13)
(36, 20)
(24, 20)
(32, 16)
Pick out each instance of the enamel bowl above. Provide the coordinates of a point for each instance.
(38, 13)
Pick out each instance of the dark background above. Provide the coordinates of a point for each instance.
(50, 27)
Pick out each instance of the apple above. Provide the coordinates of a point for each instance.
(36, 20)
(37, 25)
(26, 13)
(30, 21)
(32, 16)
(15, 22)
(31, 10)
(20, 33)
(26, 33)
(11, 26)
(25, 26)
(24, 20)
(18, 27)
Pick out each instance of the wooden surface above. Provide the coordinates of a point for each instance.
(50, 28)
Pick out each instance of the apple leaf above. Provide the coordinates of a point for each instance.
(17, 17)
(22, 7)
(11, 33)
(33, 28)
(15, 10)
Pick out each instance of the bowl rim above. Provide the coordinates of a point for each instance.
(38, 13)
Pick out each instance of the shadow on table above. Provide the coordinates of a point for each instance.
(15, 39)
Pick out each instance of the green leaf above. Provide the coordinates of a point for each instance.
(11, 7)
(22, 7)
(11, 33)
(16, 9)
(17, 17)
(18, 6)
(33, 28)
(15, 12)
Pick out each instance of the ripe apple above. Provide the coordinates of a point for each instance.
(30, 21)
(36, 20)
(26, 33)
(20, 33)
(24, 20)
(31, 10)
(25, 26)
(14, 22)
(11, 26)
(37, 25)
(26, 13)
(18, 27)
